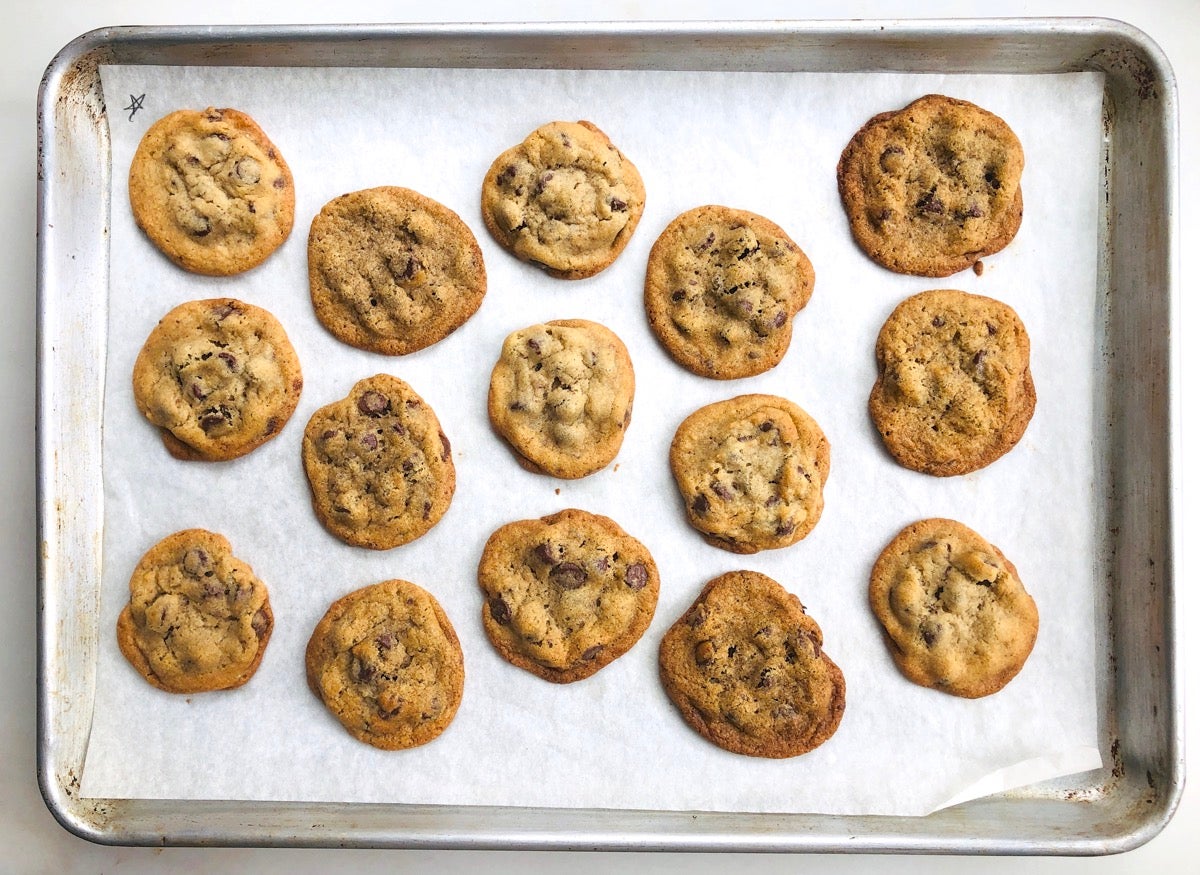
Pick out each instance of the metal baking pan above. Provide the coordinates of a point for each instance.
(1115, 809)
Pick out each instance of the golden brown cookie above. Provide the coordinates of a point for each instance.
(565, 199)
(392, 271)
(561, 394)
(955, 612)
(746, 668)
(954, 391)
(751, 471)
(565, 595)
(218, 377)
(722, 286)
(378, 465)
(197, 619)
(211, 191)
(386, 662)
(931, 188)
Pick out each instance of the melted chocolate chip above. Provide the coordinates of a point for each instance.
(568, 575)
(260, 623)
(499, 610)
(544, 552)
(636, 576)
(230, 360)
(700, 504)
(591, 653)
(373, 403)
(195, 562)
(930, 204)
(445, 446)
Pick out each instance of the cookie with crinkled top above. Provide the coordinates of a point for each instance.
(565, 199)
(211, 191)
(378, 465)
(932, 188)
(561, 394)
(746, 667)
(392, 271)
(751, 471)
(722, 286)
(218, 377)
(956, 615)
(954, 390)
(198, 619)
(565, 595)
(386, 661)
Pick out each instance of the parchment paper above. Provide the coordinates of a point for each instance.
(763, 142)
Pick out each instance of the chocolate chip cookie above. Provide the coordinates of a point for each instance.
(932, 188)
(564, 199)
(218, 377)
(722, 286)
(954, 391)
(565, 595)
(746, 668)
(386, 662)
(378, 465)
(211, 191)
(197, 619)
(955, 612)
(561, 394)
(751, 471)
(392, 271)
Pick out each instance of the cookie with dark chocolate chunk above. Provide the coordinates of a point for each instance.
(747, 669)
(565, 595)
(561, 394)
(198, 619)
(211, 191)
(751, 471)
(218, 377)
(386, 661)
(954, 391)
(378, 464)
(392, 271)
(722, 286)
(932, 188)
(956, 615)
(565, 199)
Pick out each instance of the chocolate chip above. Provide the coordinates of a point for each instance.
(938, 322)
(678, 295)
(425, 511)
(930, 203)
(399, 429)
(202, 230)
(507, 173)
(700, 504)
(198, 393)
(568, 575)
(785, 528)
(992, 179)
(279, 182)
(974, 211)
(929, 636)
(223, 311)
(767, 426)
(374, 403)
(363, 672)
(230, 360)
(516, 405)
(772, 500)
(779, 319)
(591, 653)
(328, 433)
(212, 419)
(991, 328)
(195, 562)
(544, 552)
(370, 441)
(445, 446)
(499, 610)
(601, 566)
(386, 641)
(636, 576)
(534, 345)
(260, 623)
(618, 205)
(721, 491)
(213, 589)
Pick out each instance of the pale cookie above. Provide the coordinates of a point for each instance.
(954, 391)
(956, 615)
(561, 394)
(197, 619)
(211, 191)
(746, 668)
(392, 271)
(378, 464)
(722, 286)
(218, 378)
(565, 595)
(565, 199)
(751, 471)
(386, 662)
(932, 188)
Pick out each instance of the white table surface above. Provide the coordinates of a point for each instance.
(31, 841)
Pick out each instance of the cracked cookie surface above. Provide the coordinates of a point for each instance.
(392, 271)
(954, 391)
(751, 471)
(932, 188)
(956, 615)
(197, 619)
(211, 191)
(565, 199)
(746, 668)
(386, 661)
(378, 464)
(218, 377)
(565, 595)
(722, 286)
(561, 394)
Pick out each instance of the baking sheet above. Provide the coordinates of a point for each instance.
(765, 142)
